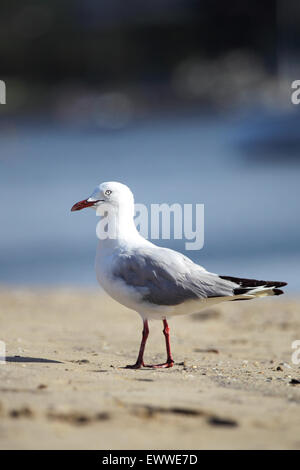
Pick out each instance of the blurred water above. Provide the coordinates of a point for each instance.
(252, 225)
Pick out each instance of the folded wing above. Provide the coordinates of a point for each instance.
(166, 277)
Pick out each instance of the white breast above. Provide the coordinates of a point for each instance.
(116, 288)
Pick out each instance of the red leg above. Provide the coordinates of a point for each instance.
(166, 332)
(140, 360)
(170, 361)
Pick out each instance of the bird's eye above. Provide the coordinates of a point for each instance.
(108, 192)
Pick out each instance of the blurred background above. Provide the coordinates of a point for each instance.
(184, 101)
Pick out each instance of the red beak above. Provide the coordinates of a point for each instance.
(82, 205)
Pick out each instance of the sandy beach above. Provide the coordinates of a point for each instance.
(63, 386)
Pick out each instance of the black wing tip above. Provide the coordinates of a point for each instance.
(254, 282)
(278, 291)
(283, 284)
(278, 283)
(248, 290)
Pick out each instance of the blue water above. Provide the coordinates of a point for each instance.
(251, 199)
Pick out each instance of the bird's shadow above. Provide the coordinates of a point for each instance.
(30, 359)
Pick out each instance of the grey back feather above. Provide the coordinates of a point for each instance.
(166, 277)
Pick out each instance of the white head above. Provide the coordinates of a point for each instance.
(109, 197)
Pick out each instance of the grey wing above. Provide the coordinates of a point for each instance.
(165, 277)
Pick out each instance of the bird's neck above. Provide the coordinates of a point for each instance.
(117, 225)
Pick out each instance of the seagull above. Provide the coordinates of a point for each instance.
(156, 282)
